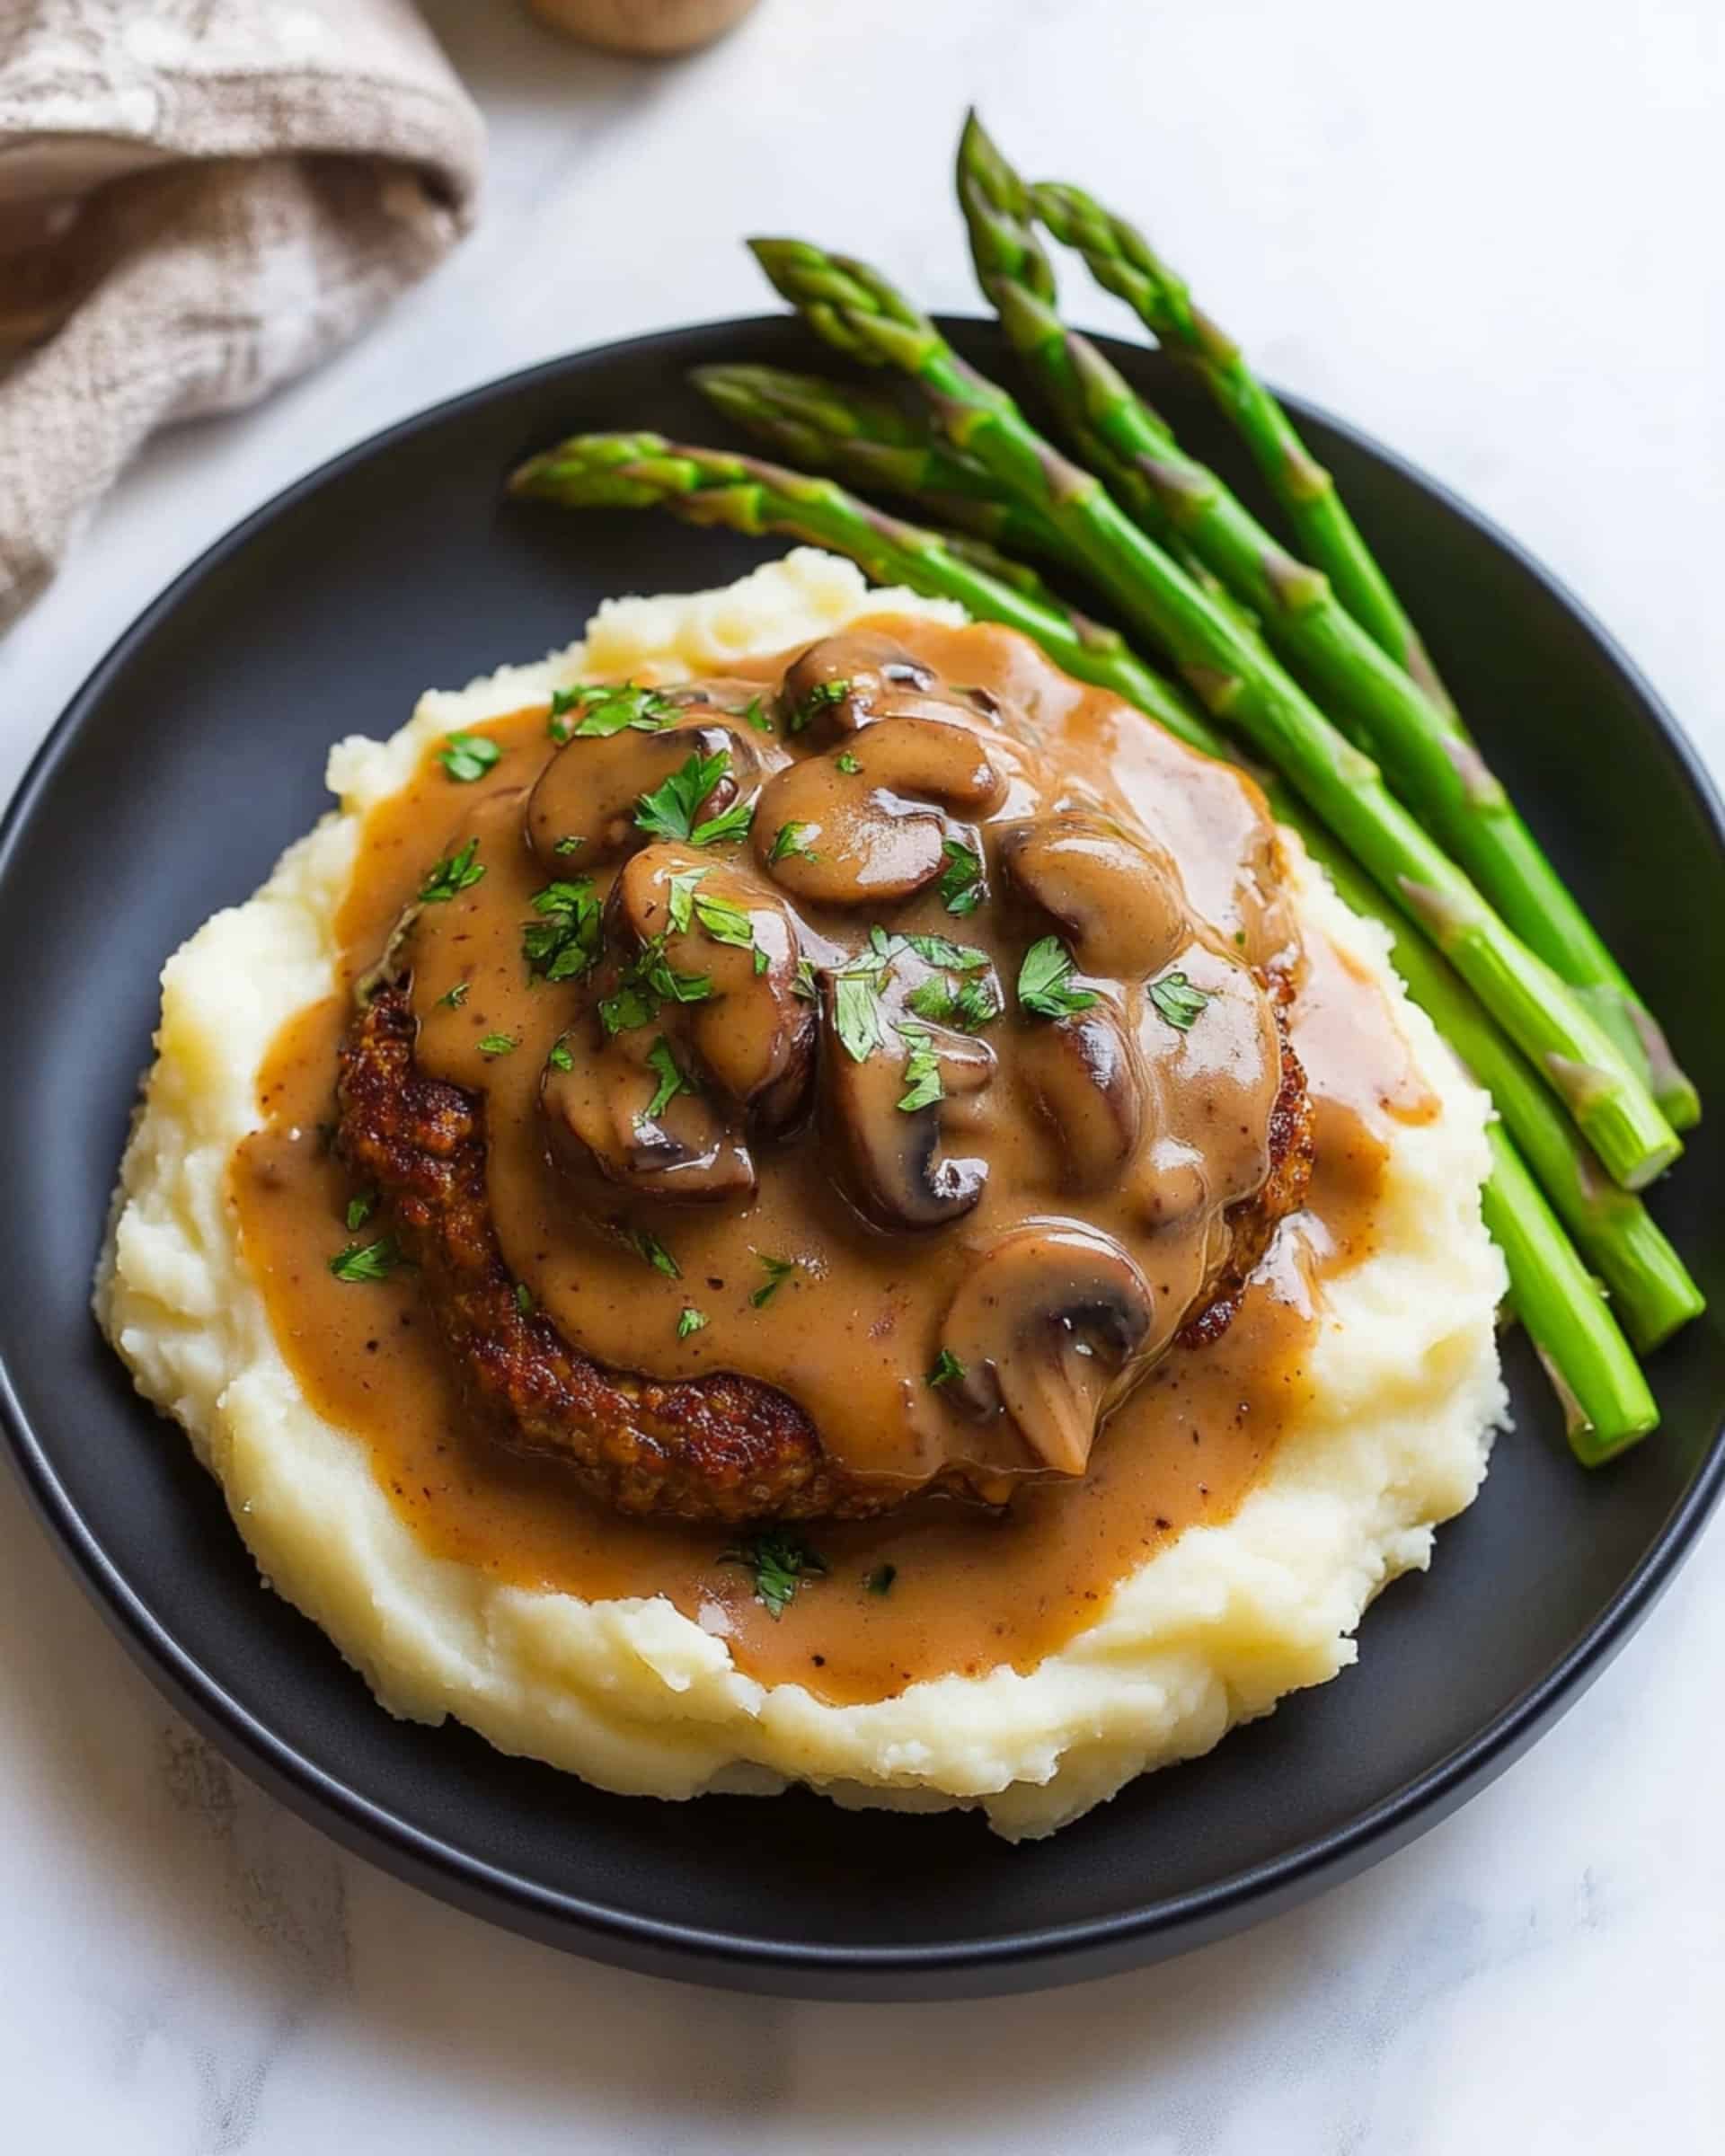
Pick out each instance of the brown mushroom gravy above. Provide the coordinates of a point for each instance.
(980, 1278)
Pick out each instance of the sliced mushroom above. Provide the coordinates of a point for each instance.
(841, 683)
(890, 1158)
(751, 1038)
(859, 837)
(596, 1117)
(582, 810)
(1044, 1330)
(1118, 898)
(1087, 1076)
(741, 1047)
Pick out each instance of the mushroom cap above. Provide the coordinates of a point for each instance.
(842, 682)
(1087, 1075)
(582, 810)
(877, 833)
(1045, 1329)
(1117, 895)
(889, 1158)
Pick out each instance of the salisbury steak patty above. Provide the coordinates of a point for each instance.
(724, 1448)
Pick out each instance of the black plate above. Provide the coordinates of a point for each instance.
(195, 753)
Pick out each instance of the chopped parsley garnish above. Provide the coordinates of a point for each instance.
(960, 886)
(969, 1004)
(572, 842)
(361, 1209)
(468, 756)
(922, 1086)
(848, 765)
(689, 1320)
(1042, 978)
(857, 1016)
(672, 1081)
(669, 810)
(879, 1581)
(1177, 1001)
(788, 844)
(757, 715)
(803, 985)
(560, 1058)
(780, 1561)
(456, 872)
(366, 1260)
(941, 950)
(723, 922)
(606, 708)
(947, 1370)
(653, 1250)
(524, 1298)
(778, 1271)
(820, 698)
(452, 999)
(563, 943)
(499, 1044)
(650, 981)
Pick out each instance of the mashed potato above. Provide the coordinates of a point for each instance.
(631, 1694)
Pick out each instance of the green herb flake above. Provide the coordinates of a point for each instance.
(367, 1261)
(960, 886)
(672, 1081)
(452, 999)
(788, 844)
(804, 985)
(690, 1320)
(968, 1004)
(560, 1058)
(563, 942)
(857, 1016)
(1043, 982)
(848, 765)
(361, 1209)
(468, 756)
(650, 1248)
(669, 810)
(562, 701)
(608, 710)
(455, 873)
(757, 715)
(650, 981)
(820, 698)
(499, 1044)
(780, 1561)
(947, 1370)
(941, 950)
(572, 842)
(921, 1071)
(879, 1581)
(524, 1298)
(1177, 1001)
(682, 898)
(778, 1271)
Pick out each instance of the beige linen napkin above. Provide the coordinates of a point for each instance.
(197, 199)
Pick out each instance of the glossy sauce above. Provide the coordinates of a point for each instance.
(968, 1589)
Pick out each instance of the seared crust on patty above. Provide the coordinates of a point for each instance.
(725, 1447)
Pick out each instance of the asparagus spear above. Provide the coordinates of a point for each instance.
(1436, 771)
(865, 439)
(1589, 1358)
(1123, 262)
(1651, 1289)
(712, 486)
(854, 307)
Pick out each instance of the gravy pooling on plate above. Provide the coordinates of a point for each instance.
(851, 1317)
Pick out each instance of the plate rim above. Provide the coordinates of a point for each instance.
(1059, 1953)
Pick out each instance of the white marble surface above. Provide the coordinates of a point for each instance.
(1487, 231)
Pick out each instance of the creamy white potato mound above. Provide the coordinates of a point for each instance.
(632, 1695)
